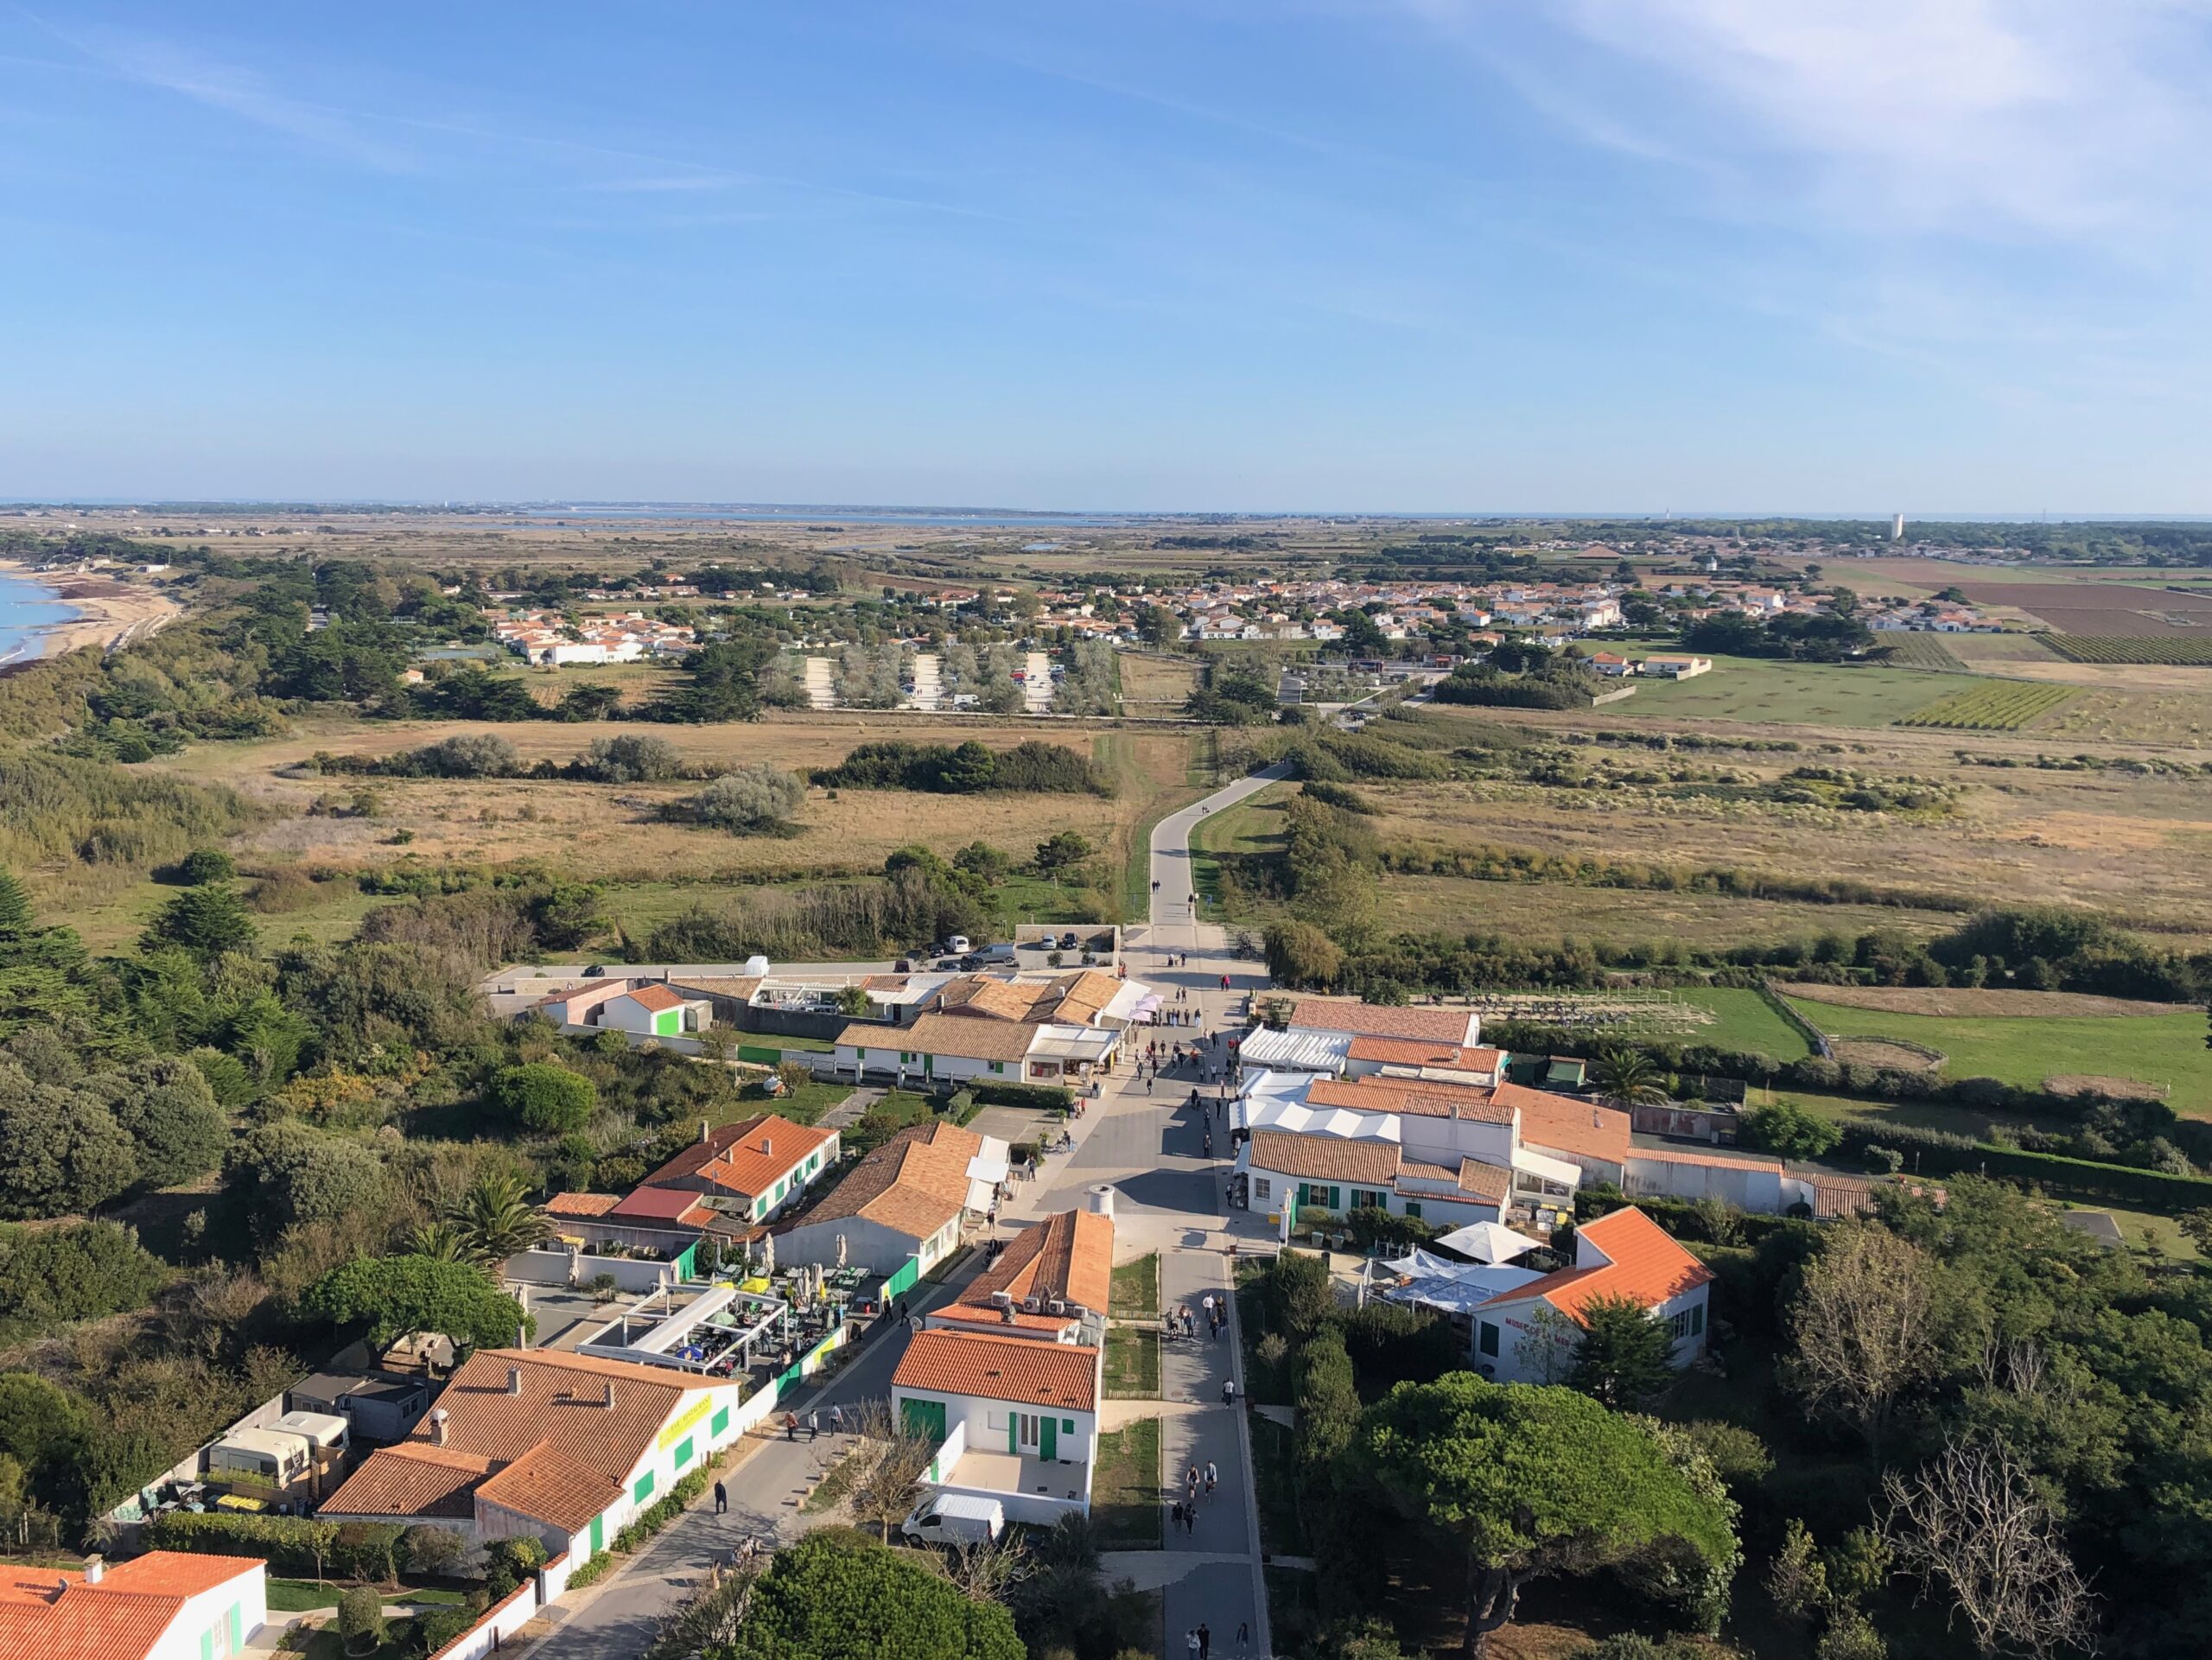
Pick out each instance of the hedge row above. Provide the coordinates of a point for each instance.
(1941, 1154)
(1020, 1095)
(664, 1509)
(290, 1544)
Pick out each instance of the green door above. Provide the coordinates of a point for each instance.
(1047, 1442)
(923, 1418)
(598, 1535)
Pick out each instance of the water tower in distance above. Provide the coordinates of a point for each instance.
(1897, 528)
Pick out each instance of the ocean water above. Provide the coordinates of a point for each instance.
(26, 605)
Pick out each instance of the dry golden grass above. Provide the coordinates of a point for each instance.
(2135, 714)
(1155, 685)
(1541, 912)
(610, 831)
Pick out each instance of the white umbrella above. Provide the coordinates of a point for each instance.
(767, 1253)
(1487, 1241)
(841, 1250)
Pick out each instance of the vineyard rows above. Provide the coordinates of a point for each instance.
(1990, 706)
(2130, 648)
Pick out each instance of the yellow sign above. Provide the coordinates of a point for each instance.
(676, 1431)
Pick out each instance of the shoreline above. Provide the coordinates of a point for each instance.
(110, 613)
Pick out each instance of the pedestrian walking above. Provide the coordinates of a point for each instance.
(1229, 1391)
(1191, 1520)
(814, 1424)
(1211, 1477)
(837, 1421)
(1205, 1642)
(1243, 1639)
(1176, 1513)
(1191, 1638)
(721, 1499)
(790, 1425)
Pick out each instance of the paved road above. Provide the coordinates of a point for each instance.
(1169, 1197)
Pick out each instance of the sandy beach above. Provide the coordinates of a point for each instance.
(110, 612)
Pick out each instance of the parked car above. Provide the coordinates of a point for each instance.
(958, 946)
(1068, 942)
(954, 1519)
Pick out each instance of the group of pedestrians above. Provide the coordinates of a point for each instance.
(1199, 1640)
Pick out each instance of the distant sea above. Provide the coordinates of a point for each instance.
(919, 517)
(26, 605)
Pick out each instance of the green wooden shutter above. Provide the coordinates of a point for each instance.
(644, 1490)
(719, 1422)
(684, 1452)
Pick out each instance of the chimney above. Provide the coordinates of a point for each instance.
(705, 1134)
(767, 1144)
(438, 1427)
(514, 1380)
(95, 1570)
(1006, 1313)
(608, 1403)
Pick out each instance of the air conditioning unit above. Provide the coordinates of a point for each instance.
(1031, 1303)
(1059, 1307)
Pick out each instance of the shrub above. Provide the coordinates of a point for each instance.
(432, 1552)
(630, 759)
(360, 1620)
(547, 1098)
(747, 801)
(436, 1627)
(206, 865)
(290, 1544)
(1788, 1131)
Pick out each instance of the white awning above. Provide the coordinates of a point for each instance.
(1303, 1052)
(1531, 1163)
(1487, 1241)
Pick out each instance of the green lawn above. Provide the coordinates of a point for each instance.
(898, 1109)
(1744, 1019)
(1132, 1364)
(298, 1596)
(1125, 1491)
(1809, 693)
(2160, 1049)
(1136, 1289)
(804, 1105)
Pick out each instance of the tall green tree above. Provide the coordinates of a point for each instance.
(1621, 1358)
(1522, 1481)
(1629, 1075)
(394, 1296)
(493, 1220)
(61, 1149)
(837, 1593)
(206, 921)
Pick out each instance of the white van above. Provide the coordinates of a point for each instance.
(957, 947)
(954, 1519)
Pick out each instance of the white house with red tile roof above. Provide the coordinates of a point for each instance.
(1052, 1281)
(1623, 1255)
(564, 1447)
(1014, 1419)
(166, 1604)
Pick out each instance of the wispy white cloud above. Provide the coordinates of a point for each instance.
(2035, 118)
(237, 91)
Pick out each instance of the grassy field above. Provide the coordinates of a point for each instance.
(1811, 694)
(2166, 1051)
(1742, 1020)
(1126, 1497)
(1132, 1364)
(1136, 1289)
(1156, 686)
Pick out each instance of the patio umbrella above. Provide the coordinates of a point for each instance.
(767, 1253)
(1487, 1241)
(841, 1250)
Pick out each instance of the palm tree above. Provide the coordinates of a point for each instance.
(1629, 1075)
(495, 1221)
(441, 1240)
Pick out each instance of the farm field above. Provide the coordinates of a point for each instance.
(2099, 608)
(2130, 713)
(1918, 650)
(2190, 649)
(1724, 1017)
(1977, 650)
(1758, 688)
(1990, 706)
(2165, 1051)
(1154, 685)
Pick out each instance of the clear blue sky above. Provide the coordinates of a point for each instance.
(1412, 255)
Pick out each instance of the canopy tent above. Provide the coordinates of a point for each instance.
(1466, 1288)
(1487, 1241)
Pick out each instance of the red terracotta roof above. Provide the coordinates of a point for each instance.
(747, 1160)
(1414, 1051)
(1419, 1098)
(1563, 1125)
(1019, 1370)
(54, 1614)
(582, 1205)
(1644, 1264)
(1327, 1158)
(411, 1480)
(548, 1486)
(916, 1182)
(1067, 1257)
(654, 999)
